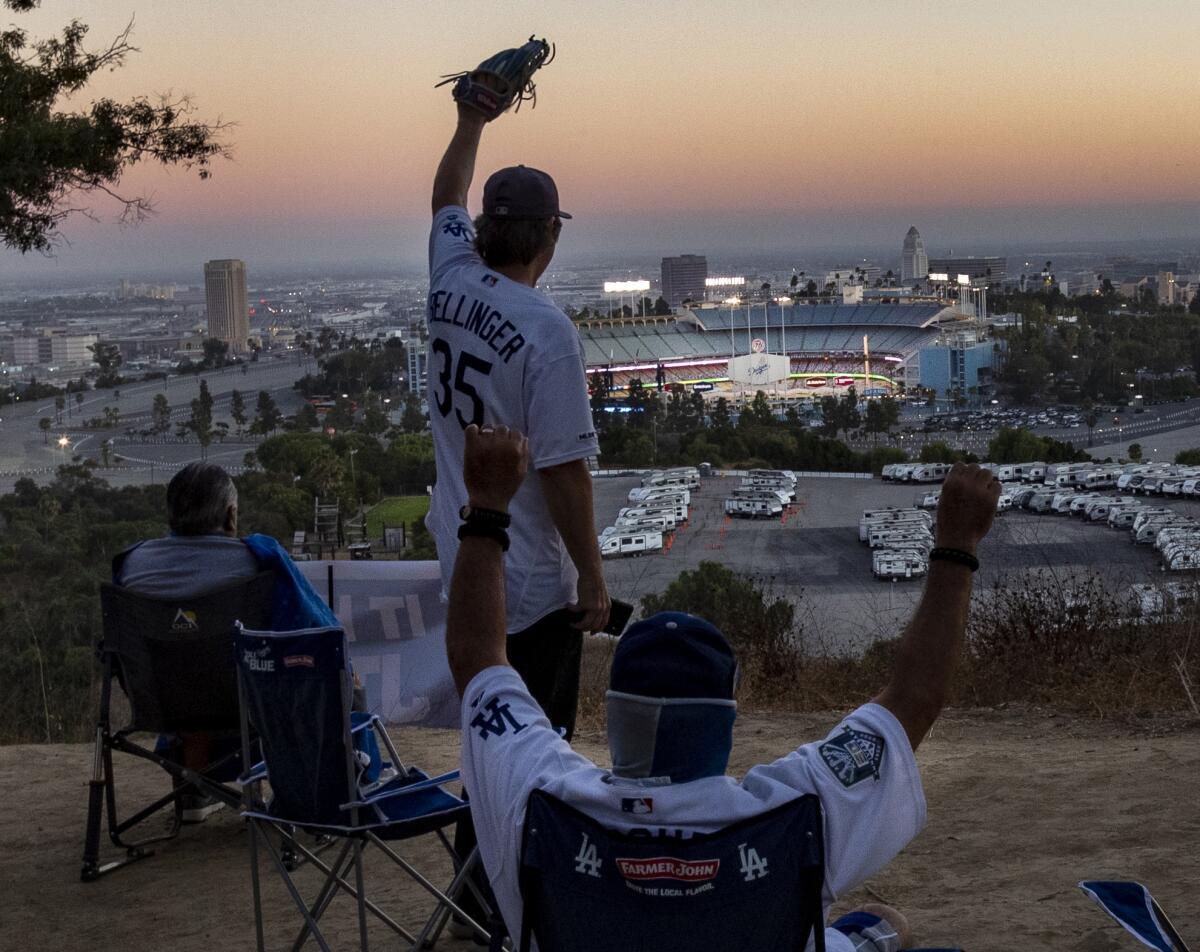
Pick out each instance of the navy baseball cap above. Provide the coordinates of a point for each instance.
(674, 655)
(519, 192)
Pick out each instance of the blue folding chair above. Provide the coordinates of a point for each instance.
(754, 886)
(328, 777)
(1136, 910)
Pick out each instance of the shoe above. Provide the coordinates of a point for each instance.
(196, 807)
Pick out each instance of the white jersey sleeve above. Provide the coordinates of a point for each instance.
(559, 412)
(509, 749)
(451, 240)
(866, 775)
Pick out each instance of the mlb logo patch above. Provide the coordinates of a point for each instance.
(853, 756)
(638, 805)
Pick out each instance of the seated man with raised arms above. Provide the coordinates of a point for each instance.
(864, 771)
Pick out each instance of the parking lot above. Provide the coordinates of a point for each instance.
(813, 555)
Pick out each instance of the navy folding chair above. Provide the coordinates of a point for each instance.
(327, 777)
(1131, 905)
(173, 659)
(754, 886)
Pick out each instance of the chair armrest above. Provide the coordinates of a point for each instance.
(411, 788)
(255, 773)
(370, 721)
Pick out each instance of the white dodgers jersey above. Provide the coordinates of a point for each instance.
(501, 353)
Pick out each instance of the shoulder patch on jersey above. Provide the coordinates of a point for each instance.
(853, 756)
(490, 280)
(453, 225)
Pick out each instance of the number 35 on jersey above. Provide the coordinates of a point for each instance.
(456, 378)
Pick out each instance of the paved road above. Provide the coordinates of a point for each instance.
(814, 557)
(26, 451)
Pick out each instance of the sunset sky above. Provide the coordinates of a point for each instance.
(669, 125)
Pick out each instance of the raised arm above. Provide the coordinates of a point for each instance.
(931, 644)
(567, 489)
(457, 168)
(495, 461)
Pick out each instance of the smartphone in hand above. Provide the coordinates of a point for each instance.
(619, 613)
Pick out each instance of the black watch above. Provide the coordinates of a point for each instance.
(481, 530)
(478, 516)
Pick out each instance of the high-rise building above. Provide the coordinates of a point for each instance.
(225, 297)
(683, 278)
(914, 262)
(983, 270)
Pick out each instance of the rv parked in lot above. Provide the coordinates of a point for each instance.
(893, 519)
(929, 473)
(1182, 560)
(753, 508)
(629, 543)
(1149, 530)
(647, 493)
(770, 482)
(895, 565)
(675, 480)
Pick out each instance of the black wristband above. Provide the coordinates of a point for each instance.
(484, 531)
(955, 555)
(489, 517)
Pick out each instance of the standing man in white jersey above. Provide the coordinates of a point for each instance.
(671, 711)
(500, 352)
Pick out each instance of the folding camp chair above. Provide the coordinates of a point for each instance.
(174, 661)
(1131, 905)
(754, 886)
(328, 778)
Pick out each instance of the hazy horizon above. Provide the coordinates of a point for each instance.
(715, 127)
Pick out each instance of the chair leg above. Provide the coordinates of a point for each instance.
(362, 895)
(293, 891)
(378, 913)
(443, 898)
(325, 896)
(255, 888)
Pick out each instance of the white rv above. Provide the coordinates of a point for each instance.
(783, 475)
(629, 543)
(645, 523)
(677, 511)
(647, 493)
(770, 482)
(929, 473)
(1149, 530)
(672, 480)
(761, 492)
(929, 500)
(1182, 560)
(896, 565)
(753, 508)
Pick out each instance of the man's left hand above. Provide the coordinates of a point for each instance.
(495, 462)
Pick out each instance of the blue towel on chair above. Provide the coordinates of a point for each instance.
(294, 602)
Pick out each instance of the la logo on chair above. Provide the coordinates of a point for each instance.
(753, 866)
(587, 860)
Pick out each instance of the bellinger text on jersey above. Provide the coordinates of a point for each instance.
(482, 320)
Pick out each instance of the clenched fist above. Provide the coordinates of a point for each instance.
(966, 507)
(494, 465)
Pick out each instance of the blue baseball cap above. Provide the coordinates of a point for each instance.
(674, 655)
(521, 193)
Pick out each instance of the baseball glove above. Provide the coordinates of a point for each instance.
(501, 80)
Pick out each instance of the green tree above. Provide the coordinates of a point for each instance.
(107, 357)
(721, 418)
(237, 410)
(762, 629)
(266, 414)
(216, 353)
(60, 402)
(341, 416)
(374, 420)
(54, 162)
(412, 420)
(661, 307)
(307, 418)
(201, 421)
(1135, 452)
(938, 452)
(44, 425)
(1188, 457)
(160, 414)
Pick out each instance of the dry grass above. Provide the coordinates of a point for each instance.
(1065, 644)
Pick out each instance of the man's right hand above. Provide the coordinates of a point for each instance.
(495, 462)
(592, 603)
(966, 507)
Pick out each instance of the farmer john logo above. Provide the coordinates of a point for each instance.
(298, 661)
(668, 867)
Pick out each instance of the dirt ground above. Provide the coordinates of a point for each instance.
(1022, 805)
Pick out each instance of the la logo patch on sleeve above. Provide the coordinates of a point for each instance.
(853, 756)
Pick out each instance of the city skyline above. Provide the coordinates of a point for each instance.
(980, 129)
